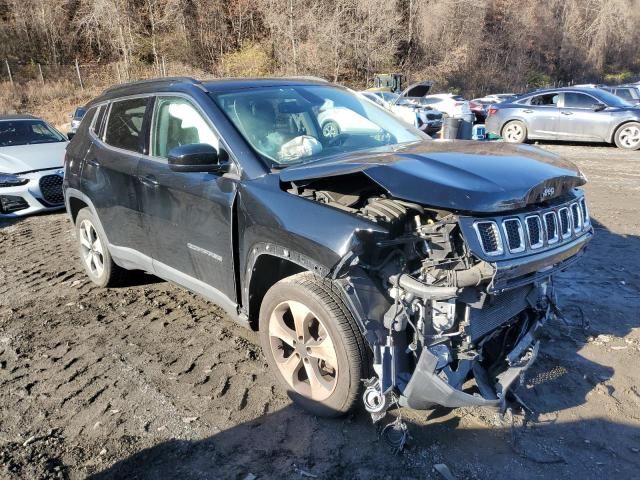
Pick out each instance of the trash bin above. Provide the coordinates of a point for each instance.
(450, 127)
(465, 130)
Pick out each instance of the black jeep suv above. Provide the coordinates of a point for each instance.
(371, 259)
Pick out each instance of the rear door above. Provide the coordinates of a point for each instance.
(541, 115)
(579, 121)
(109, 173)
(187, 216)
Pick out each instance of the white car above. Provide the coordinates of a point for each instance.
(386, 100)
(405, 107)
(453, 105)
(31, 166)
(337, 120)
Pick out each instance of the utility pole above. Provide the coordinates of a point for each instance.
(78, 72)
(6, 62)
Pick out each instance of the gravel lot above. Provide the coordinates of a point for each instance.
(150, 381)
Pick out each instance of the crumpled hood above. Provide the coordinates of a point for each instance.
(465, 176)
(27, 158)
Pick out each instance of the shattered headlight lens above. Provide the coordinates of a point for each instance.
(8, 180)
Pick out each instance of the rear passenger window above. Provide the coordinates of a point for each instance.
(547, 100)
(124, 126)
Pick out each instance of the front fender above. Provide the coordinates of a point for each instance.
(312, 235)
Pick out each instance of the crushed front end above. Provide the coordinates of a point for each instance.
(453, 304)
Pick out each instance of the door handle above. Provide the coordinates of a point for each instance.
(566, 113)
(93, 163)
(527, 111)
(148, 180)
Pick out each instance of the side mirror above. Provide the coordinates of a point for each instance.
(196, 157)
(598, 107)
(70, 135)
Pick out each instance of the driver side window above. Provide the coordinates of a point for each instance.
(578, 100)
(176, 123)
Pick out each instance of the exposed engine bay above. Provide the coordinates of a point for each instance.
(452, 305)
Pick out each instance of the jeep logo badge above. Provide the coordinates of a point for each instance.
(548, 191)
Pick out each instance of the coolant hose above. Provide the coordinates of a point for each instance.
(473, 276)
(463, 278)
(422, 290)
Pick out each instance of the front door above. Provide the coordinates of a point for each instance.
(188, 215)
(579, 121)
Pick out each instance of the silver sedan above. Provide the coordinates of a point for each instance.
(567, 114)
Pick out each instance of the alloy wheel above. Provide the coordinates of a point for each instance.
(303, 350)
(91, 247)
(330, 130)
(630, 136)
(514, 133)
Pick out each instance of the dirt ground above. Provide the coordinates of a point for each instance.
(150, 381)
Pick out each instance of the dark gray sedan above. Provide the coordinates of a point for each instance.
(570, 114)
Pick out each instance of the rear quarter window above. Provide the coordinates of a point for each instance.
(124, 125)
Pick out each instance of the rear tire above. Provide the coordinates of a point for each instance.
(313, 345)
(514, 131)
(94, 252)
(627, 136)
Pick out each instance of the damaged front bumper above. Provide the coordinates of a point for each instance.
(427, 389)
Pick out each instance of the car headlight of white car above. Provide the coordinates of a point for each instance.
(9, 180)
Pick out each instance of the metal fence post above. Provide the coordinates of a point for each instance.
(78, 72)
(6, 62)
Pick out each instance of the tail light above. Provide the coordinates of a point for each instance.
(473, 105)
(492, 111)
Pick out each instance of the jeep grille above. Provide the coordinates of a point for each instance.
(529, 231)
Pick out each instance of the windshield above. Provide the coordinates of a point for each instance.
(27, 132)
(611, 99)
(295, 124)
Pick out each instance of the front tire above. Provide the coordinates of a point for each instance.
(627, 136)
(94, 253)
(514, 131)
(312, 344)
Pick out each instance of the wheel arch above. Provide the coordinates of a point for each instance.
(265, 271)
(75, 205)
(614, 130)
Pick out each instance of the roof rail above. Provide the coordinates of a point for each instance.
(151, 81)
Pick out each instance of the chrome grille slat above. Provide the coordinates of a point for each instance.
(565, 222)
(514, 234)
(551, 227)
(534, 231)
(490, 238)
(585, 211)
(576, 217)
